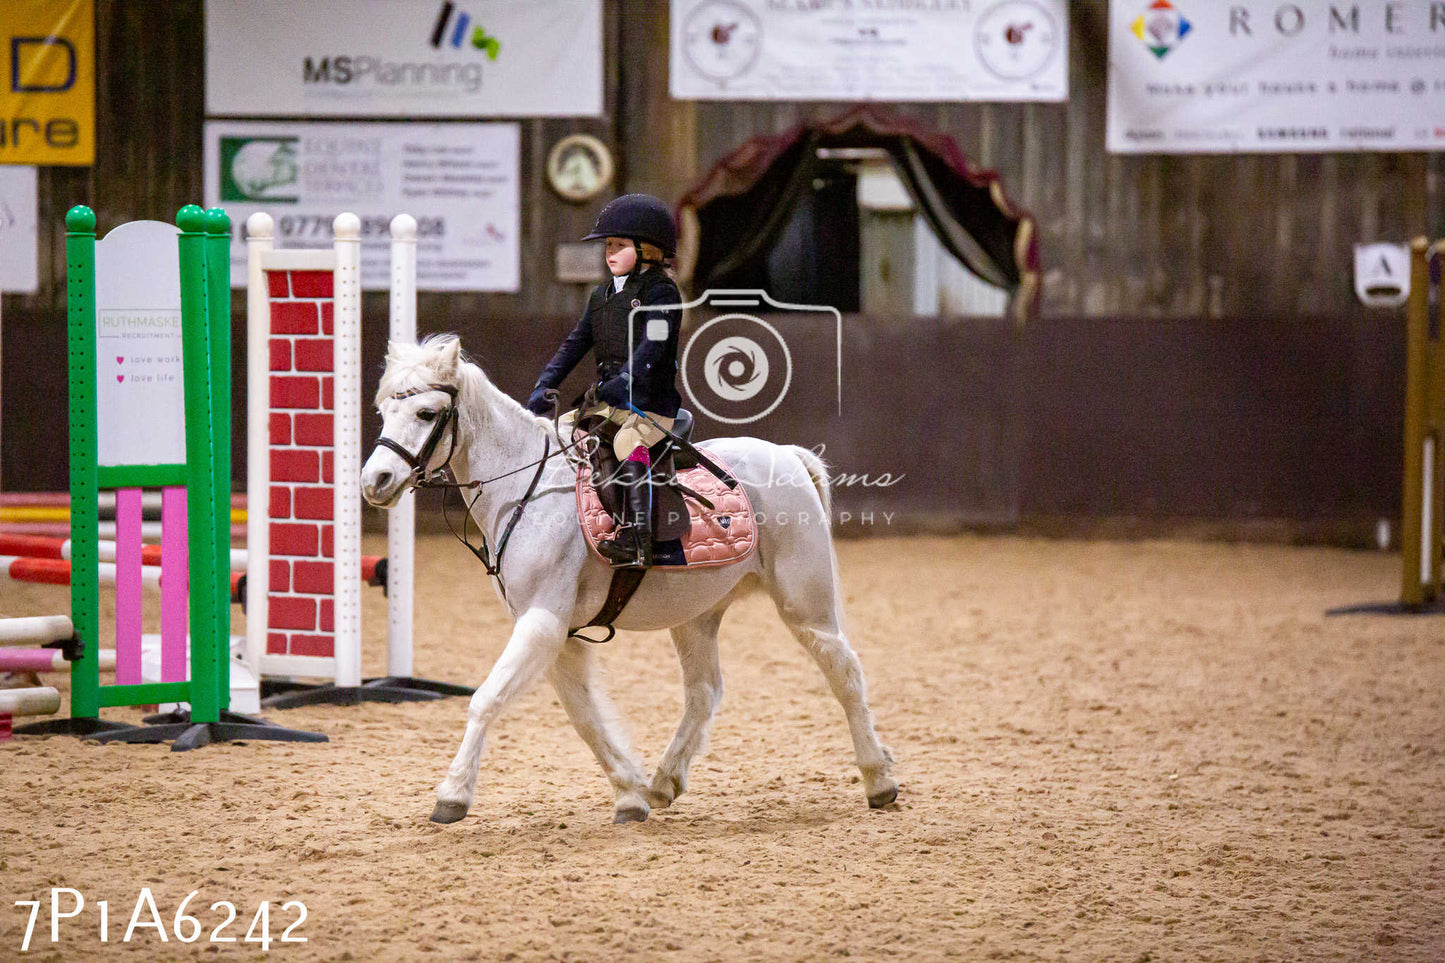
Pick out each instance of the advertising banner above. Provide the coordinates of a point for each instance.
(1201, 77)
(403, 58)
(47, 82)
(140, 386)
(19, 239)
(1012, 50)
(460, 182)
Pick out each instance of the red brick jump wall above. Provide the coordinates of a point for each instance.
(302, 441)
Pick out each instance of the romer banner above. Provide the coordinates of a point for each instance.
(1205, 77)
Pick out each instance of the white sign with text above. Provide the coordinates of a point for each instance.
(1382, 274)
(460, 182)
(140, 393)
(404, 58)
(18, 238)
(1006, 50)
(1202, 77)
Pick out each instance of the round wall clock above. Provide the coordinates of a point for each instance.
(579, 167)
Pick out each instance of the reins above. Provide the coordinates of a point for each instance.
(618, 593)
(492, 563)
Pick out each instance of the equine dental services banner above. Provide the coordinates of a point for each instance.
(1203, 77)
(404, 58)
(460, 182)
(920, 50)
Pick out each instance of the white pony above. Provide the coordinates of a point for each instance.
(552, 582)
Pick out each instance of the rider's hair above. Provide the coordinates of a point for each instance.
(653, 254)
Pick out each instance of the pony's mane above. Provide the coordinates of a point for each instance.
(412, 366)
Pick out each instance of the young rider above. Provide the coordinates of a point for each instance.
(641, 235)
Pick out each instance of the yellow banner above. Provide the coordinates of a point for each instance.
(47, 82)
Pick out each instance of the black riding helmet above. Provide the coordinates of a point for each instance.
(638, 217)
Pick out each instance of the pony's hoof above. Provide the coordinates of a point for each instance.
(665, 790)
(631, 814)
(883, 797)
(448, 812)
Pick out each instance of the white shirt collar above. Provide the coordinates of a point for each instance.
(618, 282)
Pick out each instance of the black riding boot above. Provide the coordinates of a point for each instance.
(632, 545)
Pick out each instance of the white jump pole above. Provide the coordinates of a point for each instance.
(347, 412)
(401, 519)
(260, 237)
(36, 630)
(38, 701)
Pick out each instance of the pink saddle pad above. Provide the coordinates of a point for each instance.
(720, 535)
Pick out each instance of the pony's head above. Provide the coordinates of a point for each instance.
(417, 399)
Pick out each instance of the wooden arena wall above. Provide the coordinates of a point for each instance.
(1199, 351)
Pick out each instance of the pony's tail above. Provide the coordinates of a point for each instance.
(818, 472)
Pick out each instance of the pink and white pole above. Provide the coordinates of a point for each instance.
(34, 700)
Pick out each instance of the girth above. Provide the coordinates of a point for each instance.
(625, 582)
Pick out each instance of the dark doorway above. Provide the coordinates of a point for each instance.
(782, 214)
(815, 259)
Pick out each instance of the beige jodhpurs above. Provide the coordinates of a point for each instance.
(634, 429)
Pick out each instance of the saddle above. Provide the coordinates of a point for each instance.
(697, 521)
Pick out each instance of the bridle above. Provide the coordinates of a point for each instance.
(419, 477)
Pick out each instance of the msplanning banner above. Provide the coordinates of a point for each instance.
(404, 58)
(935, 50)
(460, 182)
(1202, 76)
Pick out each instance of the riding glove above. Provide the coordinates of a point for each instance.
(617, 391)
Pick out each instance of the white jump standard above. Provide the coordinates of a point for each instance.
(302, 586)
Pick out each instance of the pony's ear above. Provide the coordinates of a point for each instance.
(448, 359)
